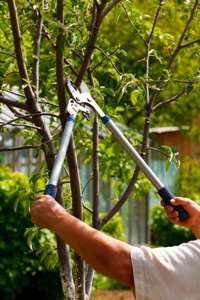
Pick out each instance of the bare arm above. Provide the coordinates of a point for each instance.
(193, 209)
(106, 255)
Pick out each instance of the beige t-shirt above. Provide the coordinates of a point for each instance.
(169, 273)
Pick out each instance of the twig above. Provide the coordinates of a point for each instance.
(18, 125)
(29, 120)
(19, 148)
(172, 99)
(108, 56)
(85, 186)
(161, 2)
(197, 41)
(158, 150)
(17, 113)
(47, 102)
(87, 208)
(132, 24)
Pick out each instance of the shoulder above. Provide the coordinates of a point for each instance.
(185, 251)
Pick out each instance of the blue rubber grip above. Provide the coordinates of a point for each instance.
(51, 190)
(167, 196)
(105, 119)
(70, 118)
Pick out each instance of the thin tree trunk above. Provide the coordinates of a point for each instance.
(95, 196)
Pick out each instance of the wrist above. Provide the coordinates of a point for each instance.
(196, 227)
(58, 217)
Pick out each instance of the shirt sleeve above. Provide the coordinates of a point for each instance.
(167, 273)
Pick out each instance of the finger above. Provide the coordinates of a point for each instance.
(43, 197)
(174, 220)
(173, 214)
(169, 208)
(39, 197)
(162, 203)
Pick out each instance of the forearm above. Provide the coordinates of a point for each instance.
(105, 254)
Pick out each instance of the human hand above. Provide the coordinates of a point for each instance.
(46, 212)
(193, 209)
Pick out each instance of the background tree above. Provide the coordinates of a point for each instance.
(145, 56)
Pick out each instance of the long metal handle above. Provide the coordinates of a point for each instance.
(51, 188)
(163, 192)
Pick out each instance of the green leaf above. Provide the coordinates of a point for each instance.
(135, 97)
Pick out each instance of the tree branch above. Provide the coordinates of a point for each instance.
(76, 208)
(66, 61)
(11, 102)
(36, 54)
(95, 167)
(134, 178)
(32, 105)
(176, 50)
(66, 274)
(95, 195)
(148, 45)
(161, 2)
(60, 59)
(109, 7)
(108, 56)
(95, 26)
(178, 46)
(18, 49)
(132, 24)
(17, 113)
(121, 200)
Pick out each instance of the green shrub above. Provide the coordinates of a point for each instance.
(188, 179)
(19, 266)
(27, 253)
(164, 233)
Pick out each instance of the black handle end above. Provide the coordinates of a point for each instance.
(167, 196)
(51, 190)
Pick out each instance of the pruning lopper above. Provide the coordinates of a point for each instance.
(82, 101)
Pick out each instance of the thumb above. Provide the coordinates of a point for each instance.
(180, 201)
